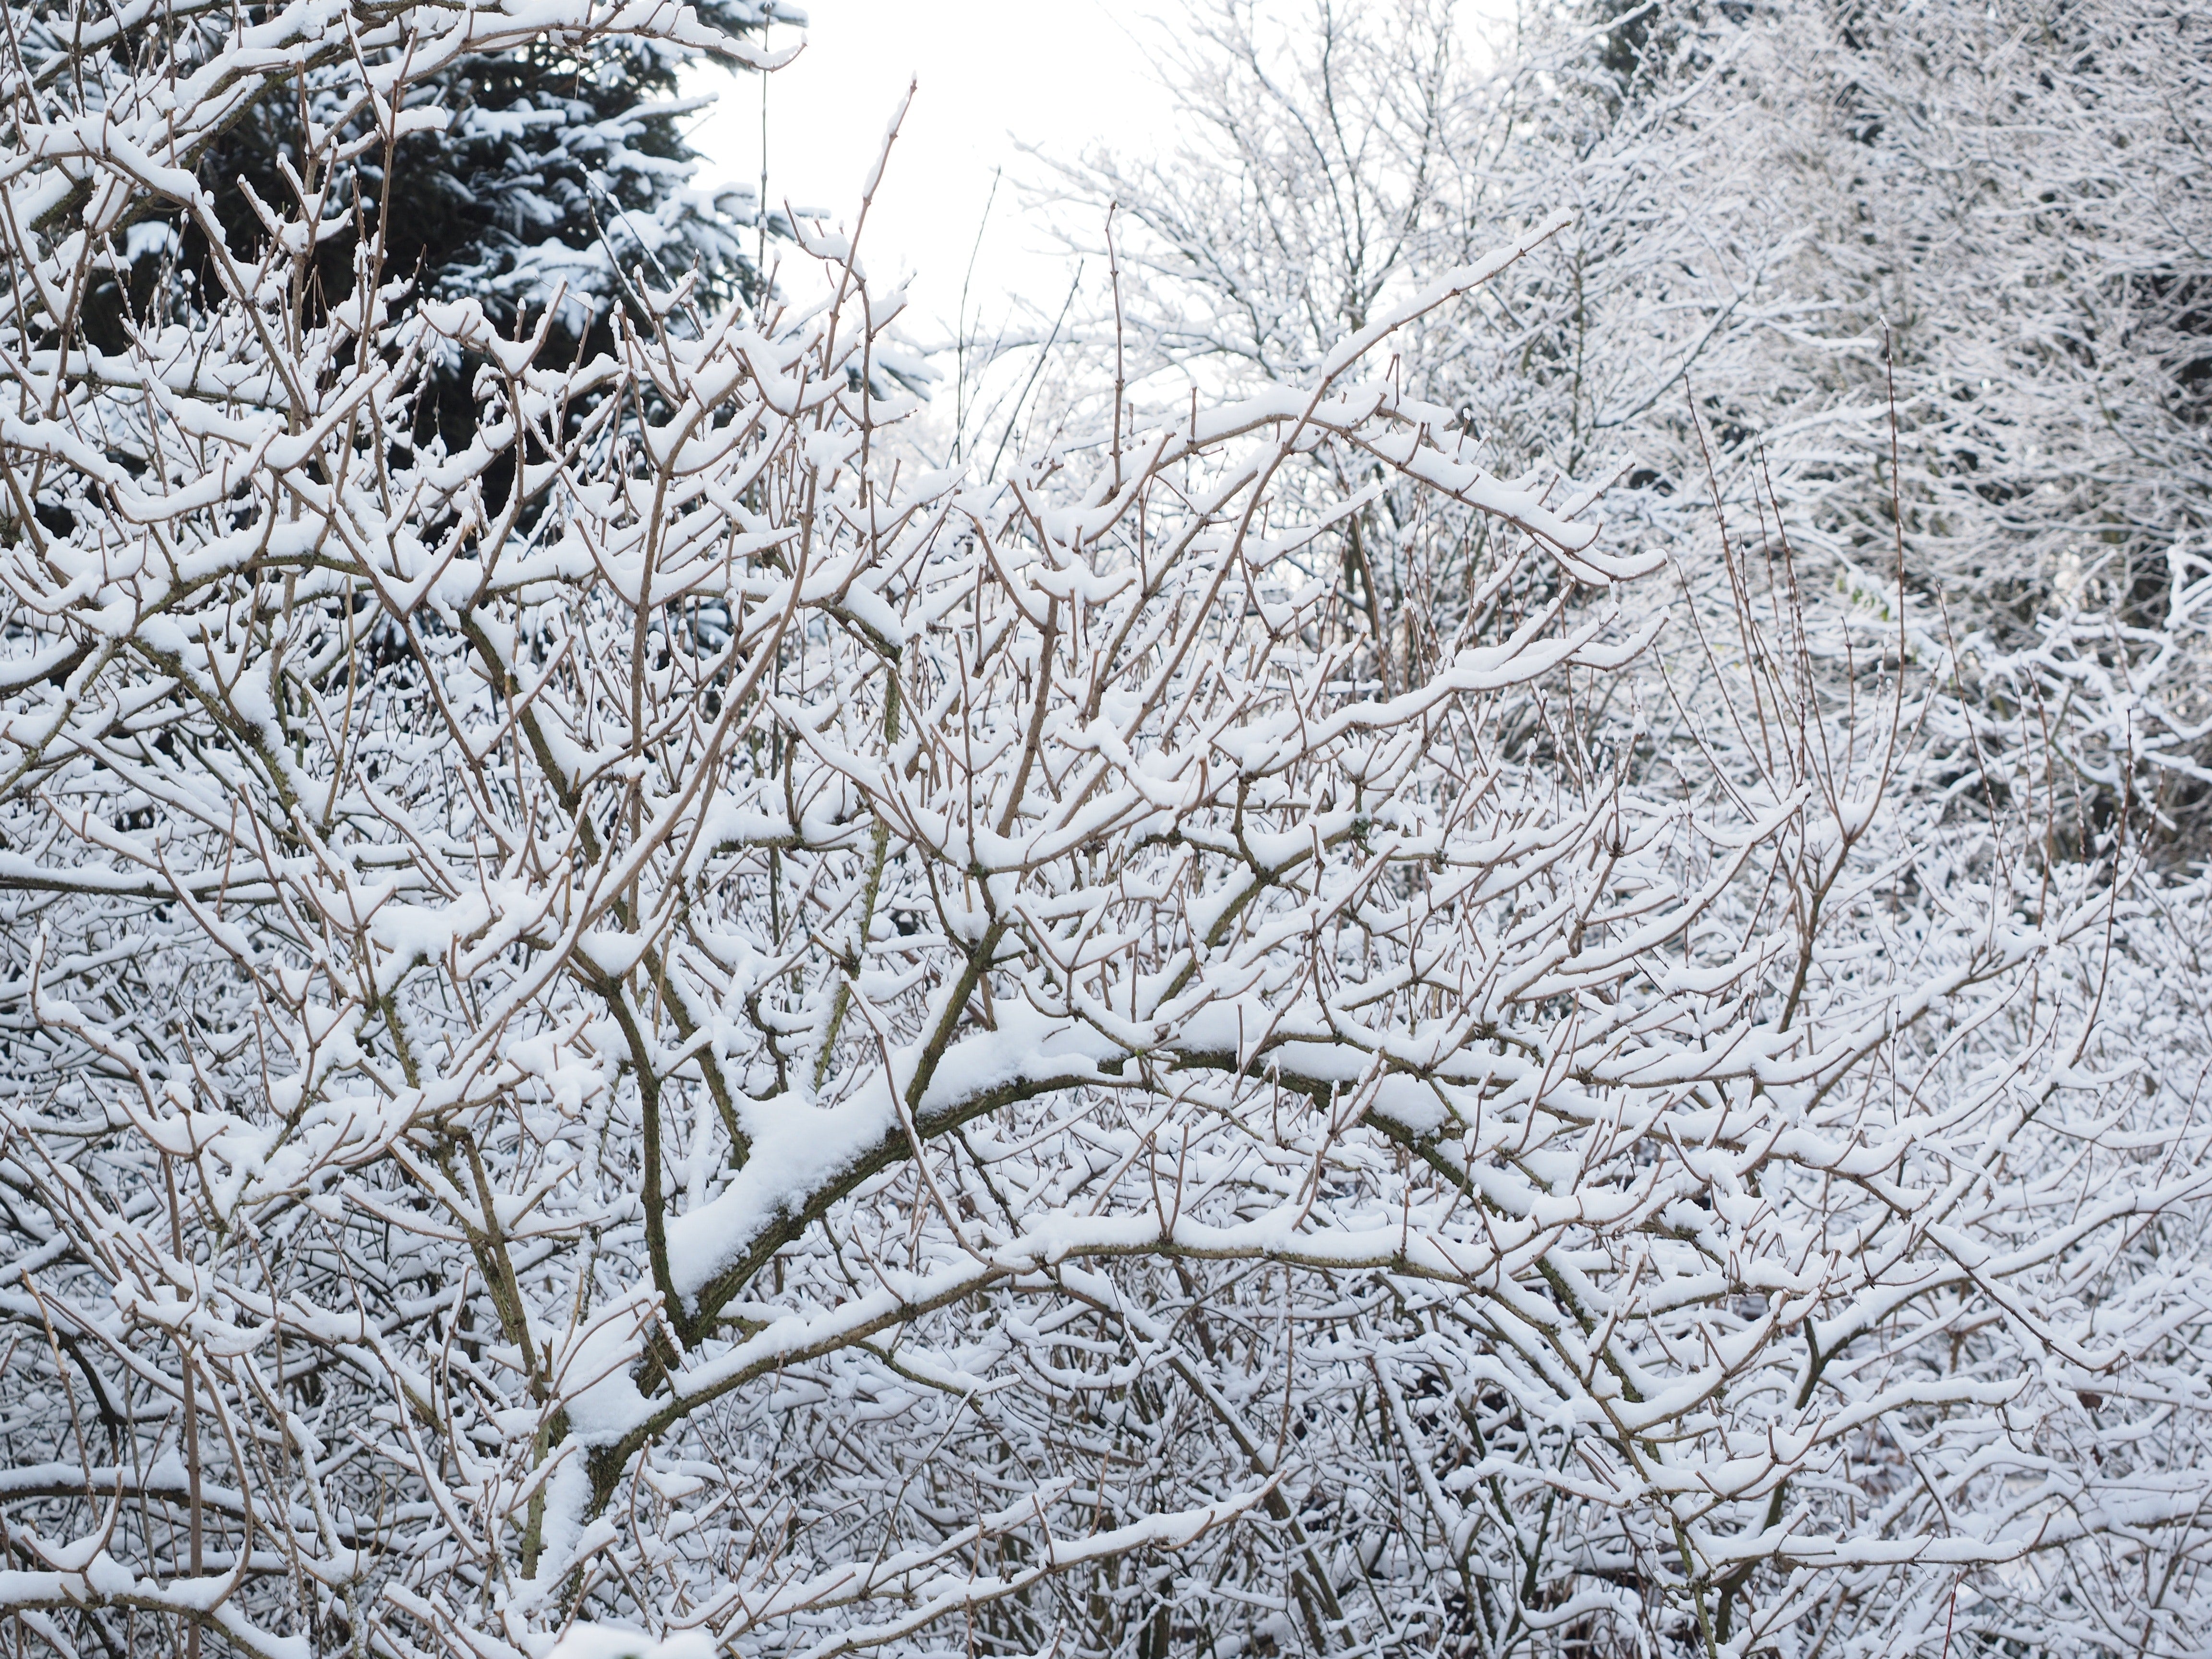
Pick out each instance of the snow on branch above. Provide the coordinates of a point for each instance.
(659, 1025)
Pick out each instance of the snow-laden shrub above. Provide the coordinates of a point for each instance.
(672, 1024)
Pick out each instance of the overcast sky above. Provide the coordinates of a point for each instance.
(1061, 73)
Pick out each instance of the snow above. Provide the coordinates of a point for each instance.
(662, 1025)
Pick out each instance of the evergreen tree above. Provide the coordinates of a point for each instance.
(557, 176)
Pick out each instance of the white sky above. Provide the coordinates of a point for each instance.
(1058, 74)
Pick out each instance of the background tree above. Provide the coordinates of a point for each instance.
(556, 177)
(1987, 243)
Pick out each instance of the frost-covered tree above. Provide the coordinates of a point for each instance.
(658, 1019)
(1799, 231)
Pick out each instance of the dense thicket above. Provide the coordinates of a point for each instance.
(1801, 232)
